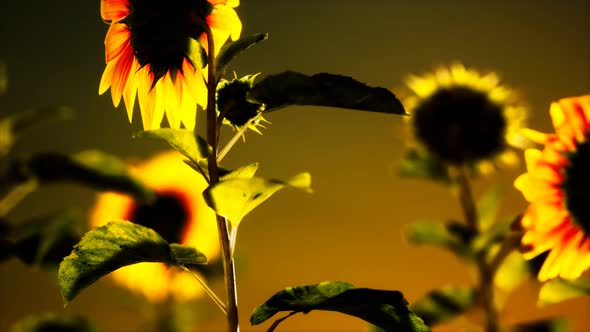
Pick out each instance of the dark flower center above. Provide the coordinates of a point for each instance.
(160, 31)
(460, 125)
(232, 101)
(576, 186)
(168, 215)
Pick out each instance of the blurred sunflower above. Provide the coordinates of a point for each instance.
(233, 103)
(179, 214)
(464, 118)
(556, 186)
(154, 50)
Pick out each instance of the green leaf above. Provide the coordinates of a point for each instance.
(51, 322)
(292, 88)
(236, 197)
(383, 308)
(45, 241)
(444, 304)
(545, 325)
(112, 246)
(233, 49)
(192, 146)
(487, 207)
(93, 168)
(558, 290)
(244, 172)
(421, 164)
(513, 271)
(13, 126)
(436, 234)
(496, 233)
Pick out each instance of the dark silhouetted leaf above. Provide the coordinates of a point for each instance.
(420, 164)
(558, 290)
(293, 88)
(53, 323)
(437, 234)
(112, 246)
(235, 197)
(45, 241)
(13, 126)
(93, 168)
(233, 49)
(383, 308)
(444, 304)
(545, 325)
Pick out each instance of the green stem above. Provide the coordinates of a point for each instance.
(208, 290)
(228, 263)
(486, 271)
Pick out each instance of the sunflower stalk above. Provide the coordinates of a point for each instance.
(224, 236)
(485, 270)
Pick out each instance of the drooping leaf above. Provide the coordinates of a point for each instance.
(236, 197)
(54, 323)
(323, 89)
(436, 234)
(112, 246)
(93, 168)
(495, 234)
(185, 141)
(383, 308)
(45, 241)
(420, 164)
(444, 304)
(558, 290)
(233, 49)
(13, 126)
(545, 325)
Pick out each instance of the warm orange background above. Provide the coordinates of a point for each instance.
(350, 228)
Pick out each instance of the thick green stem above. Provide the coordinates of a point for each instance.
(224, 238)
(486, 271)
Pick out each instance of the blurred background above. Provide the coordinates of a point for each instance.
(350, 228)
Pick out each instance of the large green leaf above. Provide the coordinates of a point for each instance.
(437, 234)
(13, 126)
(93, 168)
(293, 88)
(235, 197)
(46, 240)
(444, 304)
(558, 290)
(545, 325)
(233, 49)
(114, 245)
(185, 141)
(383, 308)
(420, 164)
(50, 322)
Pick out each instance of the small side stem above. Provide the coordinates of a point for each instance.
(208, 290)
(486, 271)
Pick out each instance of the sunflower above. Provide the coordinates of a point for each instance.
(154, 51)
(179, 214)
(462, 117)
(233, 103)
(557, 186)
